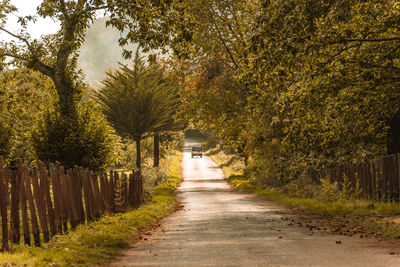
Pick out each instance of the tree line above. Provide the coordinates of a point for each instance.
(286, 84)
(289, 84)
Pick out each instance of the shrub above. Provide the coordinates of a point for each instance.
(83, 141)
(152, 177)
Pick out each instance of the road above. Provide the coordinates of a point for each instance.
(219, 226)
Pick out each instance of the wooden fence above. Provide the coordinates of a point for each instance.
(49, 201)
(378, 179)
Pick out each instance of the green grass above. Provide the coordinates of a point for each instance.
(353, 207)
(102, 240)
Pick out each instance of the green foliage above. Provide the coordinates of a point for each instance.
(24, 97)
(138, 101)
(322, 82)
(86, 141)
(328, 192)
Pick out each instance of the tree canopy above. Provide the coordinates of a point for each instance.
(299, 84)
(296, 83)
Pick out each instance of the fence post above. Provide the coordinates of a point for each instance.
(99, 197)
(23, 200)
(124, 190)
(45, 188)
(398, 176)
(395, 180)
(56, 196)
(365, 180)
(116, 185)
(387, 174)
(86, 195)
(67, 210)
(382, 181)
(136, 190)
(346, 171)
(77, 184)
(3, 207)
(352, 175)
(40, 206)
(112, 191)
(140, 182)
(342, 174)
(95, 200)
(105, 191)
(374, 180)
(71, 197)
(358, 170)
(26, 184)
(388, 171)
(131, 189)
(14, 213)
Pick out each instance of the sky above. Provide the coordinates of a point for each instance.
(99, 53)
(28, 7)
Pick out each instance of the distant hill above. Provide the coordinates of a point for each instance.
(100, 52)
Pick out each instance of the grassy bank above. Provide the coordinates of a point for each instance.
(102, 240)
(376, 216)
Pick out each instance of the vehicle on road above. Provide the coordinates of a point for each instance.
(197, 151)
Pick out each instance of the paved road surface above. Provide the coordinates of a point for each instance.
(219, 226)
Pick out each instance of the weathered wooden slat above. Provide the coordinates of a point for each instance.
(374, 180)
(71, 197)
(3, 207)
(32, 208)
(367, 174)
(15, 204)
(141, 200)
(395, 180)
(112, 191)
(45, 189)
(41, 206)
(99, 197)
(116, 190)
(24, 204)
(131, 188)
(77, 185)
(55, 185)
(95, 203)
(67, 209)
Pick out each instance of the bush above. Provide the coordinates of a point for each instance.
(85, 141)
(152, 177)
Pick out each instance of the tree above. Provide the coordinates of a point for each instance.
(138, 101)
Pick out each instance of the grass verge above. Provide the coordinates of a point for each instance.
(375, 216)
(102, 240)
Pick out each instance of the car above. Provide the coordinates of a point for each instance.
(197, 151)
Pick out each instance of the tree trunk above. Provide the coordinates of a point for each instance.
(62, 83)
(66, 97)
(156, 149)
(138, 154)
